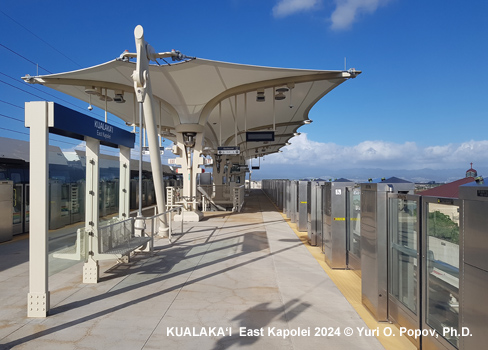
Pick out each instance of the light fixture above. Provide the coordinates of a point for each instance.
(119, 96)
(105, 98)
(308, 121)
(93, 90)
(280, 96)
(260, 95)
(297, 133)
(189, 139)
(280, 93)
(89, 103)
(288, 144)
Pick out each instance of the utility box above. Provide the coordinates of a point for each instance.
(286, 197)
(374, 242)
(303, 203)
(6, 210)
(315, 214)
(293, 208)
(334, 223)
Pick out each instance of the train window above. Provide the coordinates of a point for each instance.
(15, 177)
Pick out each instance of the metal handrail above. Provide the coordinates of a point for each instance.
(170, 222)
(110, 229)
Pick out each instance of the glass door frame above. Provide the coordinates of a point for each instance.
(398, 312)
(353, 260)
(436, 342)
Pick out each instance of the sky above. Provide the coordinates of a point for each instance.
(420, 102)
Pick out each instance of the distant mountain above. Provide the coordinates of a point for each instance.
(274, 171)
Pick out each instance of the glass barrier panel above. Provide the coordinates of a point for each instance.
(443, 268)
(403, 260)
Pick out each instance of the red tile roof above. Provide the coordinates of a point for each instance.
(449, 190)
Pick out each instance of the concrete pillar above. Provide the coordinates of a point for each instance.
(190, 160)
(197, 161)
(38, 117)
(91, 268)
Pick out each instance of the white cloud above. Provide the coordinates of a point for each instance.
(380, 154)
(287, 7)
(347, 11)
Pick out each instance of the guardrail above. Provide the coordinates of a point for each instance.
(117, 239)
(155, 221)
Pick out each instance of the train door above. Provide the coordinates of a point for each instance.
(18, 209)
(20, 221)
(77, 204)
(26, 208)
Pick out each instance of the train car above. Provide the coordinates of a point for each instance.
(67, 184)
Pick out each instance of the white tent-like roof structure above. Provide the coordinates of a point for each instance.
(220, 96)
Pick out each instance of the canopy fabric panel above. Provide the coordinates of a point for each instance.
(220, 96)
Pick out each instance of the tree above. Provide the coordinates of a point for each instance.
(441, 226)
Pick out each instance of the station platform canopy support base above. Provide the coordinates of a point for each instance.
(189, 216)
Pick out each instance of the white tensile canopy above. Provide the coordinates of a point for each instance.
(220, 96)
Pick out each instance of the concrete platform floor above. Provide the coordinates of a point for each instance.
(233, 280)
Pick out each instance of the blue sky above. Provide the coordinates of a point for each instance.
(419, 103)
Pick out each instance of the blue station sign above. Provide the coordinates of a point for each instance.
(70, 123)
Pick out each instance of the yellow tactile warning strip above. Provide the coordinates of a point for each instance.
(349, 284)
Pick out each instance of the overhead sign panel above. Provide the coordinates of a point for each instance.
(145, 151)
(70, 123)
(260, 136)
(232, 150)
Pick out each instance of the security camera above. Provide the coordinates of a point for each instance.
(291, 106)
(90, 107)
